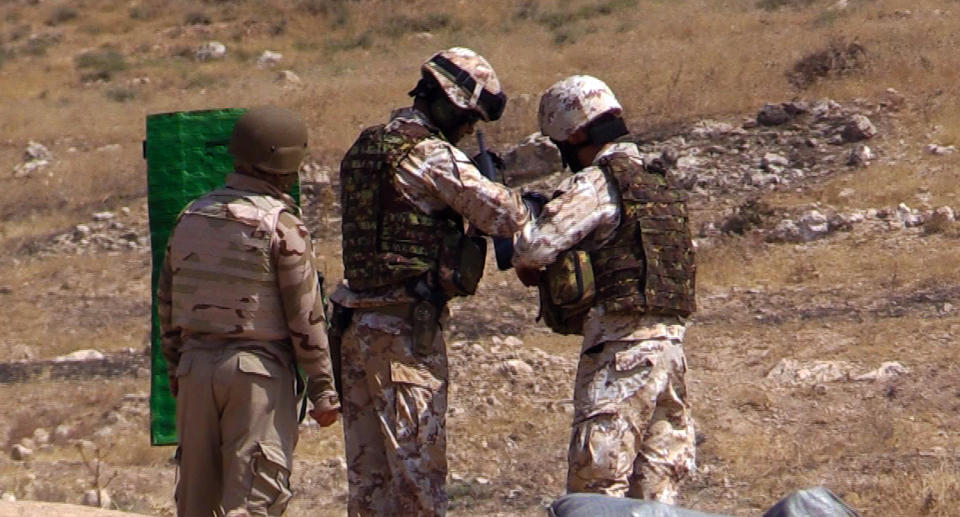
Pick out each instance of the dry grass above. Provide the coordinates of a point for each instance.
(857, 262)
(668, 61)
(83, 304)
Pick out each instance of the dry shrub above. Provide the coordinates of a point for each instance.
(101, 64)
(62, 14)
(143, 12)
(400, 24)
(772, 5)
(939, 491)
(840, 58)
(197, 18)
(941, 225)
(753, 213)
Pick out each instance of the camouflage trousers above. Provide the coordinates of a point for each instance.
(394, 419)
(632, 432)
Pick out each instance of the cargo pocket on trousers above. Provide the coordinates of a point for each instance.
(416, 390)
(256, 365)
(270, 489)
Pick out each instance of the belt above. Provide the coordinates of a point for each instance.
(402, 310)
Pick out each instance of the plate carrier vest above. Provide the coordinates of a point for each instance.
(225, 279)
(388, 240)
(648, 265)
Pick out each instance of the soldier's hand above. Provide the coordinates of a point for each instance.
(324, 418)
(174, 386)
(529, 277)
(534, 201)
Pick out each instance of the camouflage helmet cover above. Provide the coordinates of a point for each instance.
(271, 139)
(572, 103)
(478, 69)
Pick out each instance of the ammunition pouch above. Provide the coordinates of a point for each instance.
(567, 292)
(462, 260)
(503, 251)
(339, 322)
(425, 316)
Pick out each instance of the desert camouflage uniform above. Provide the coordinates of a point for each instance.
(233, 354)
(632, 431)
(395, 402)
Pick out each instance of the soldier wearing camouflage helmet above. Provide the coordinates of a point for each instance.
(613, 258)
(240, 309)
(407, 192)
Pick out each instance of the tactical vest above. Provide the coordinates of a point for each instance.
(224, 279)
(648, 264)
(388, 240)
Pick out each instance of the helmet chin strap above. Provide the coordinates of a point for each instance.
(597, 134)
(569, 152)
(447, 117)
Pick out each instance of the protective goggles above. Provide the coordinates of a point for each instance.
(491, 104)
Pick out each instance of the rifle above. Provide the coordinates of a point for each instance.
(502, 246)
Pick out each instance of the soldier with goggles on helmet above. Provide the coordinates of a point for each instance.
(408, 194)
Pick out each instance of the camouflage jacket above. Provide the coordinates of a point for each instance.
(290, 258)
(436, 176)
(585, 213)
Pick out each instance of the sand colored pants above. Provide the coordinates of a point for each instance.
(632, 432)
(394, 417)
(237, 423)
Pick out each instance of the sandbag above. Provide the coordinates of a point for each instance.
(596, 505)
(813, 502)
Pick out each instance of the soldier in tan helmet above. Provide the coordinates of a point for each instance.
(407, 191)
(612, 255)
(240, 308)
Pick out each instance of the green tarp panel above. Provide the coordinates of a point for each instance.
(186, 155)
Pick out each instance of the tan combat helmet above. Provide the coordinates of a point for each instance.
(573, 103)
(270, 139)
(468, 81)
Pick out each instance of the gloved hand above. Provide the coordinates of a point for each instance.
(494, 157)
(534, 201)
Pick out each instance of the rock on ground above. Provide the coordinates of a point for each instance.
(98, 499)
(269, 59)
(80, 355)
(21, 453)
(773, 115)
(858, 128)
(211, 50)
(536, 156)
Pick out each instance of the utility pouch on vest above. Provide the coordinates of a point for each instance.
(570, 279)
(567, 293)
(425, 327)
(339, 321)
(559, 319)
(461, 264)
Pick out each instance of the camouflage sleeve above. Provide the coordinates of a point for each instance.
(439, 171)
(303, 308)
(584, 204)
(169, 335)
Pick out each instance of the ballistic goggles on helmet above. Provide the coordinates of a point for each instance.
(492, 104)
